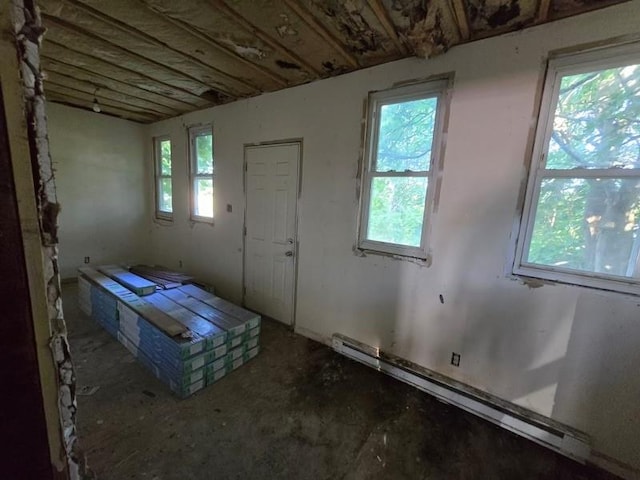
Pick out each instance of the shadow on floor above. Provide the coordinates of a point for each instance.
(296, 411)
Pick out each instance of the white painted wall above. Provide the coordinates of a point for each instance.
(102, 187)
(567, 352)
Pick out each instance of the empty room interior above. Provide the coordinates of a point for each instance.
(320, 239)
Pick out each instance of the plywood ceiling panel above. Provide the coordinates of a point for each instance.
(146, 60)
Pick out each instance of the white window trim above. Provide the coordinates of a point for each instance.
(193, 168)
(157, 162)
(438, 88)
(558, 66)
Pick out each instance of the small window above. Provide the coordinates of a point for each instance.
(402, 154)
(202, 173)
(581, 223)
(164, 195)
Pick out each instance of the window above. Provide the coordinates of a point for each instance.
(202, 176)
(582, 210)
(164, 196)
(403, 145)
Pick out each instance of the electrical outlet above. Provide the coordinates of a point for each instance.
(229, 208)
(455, 359)
(87, 259)
(180, 263)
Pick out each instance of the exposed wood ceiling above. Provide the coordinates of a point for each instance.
(146, 60)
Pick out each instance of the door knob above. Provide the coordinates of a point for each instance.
(289, 253)
(290, 241)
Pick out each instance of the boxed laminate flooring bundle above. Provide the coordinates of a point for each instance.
(187, 337)
(243, 326)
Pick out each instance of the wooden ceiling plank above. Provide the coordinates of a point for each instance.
(94, 78)
(103, 101)
(103, 92)
(81, 32)
(544, 7)
(74, 103)
(213, 43)
(114, 66)
(462, 22)
(87, 105)
(308, 18)
(238, 19)
(385, 20)
(130, 30)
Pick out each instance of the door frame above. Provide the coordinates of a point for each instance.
(271, 143)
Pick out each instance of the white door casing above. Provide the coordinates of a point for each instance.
(270, 243)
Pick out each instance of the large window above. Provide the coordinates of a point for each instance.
(582, 212)
(202, 172)
(403, 145)
(162, 160)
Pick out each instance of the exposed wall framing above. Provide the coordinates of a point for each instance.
(33, 178)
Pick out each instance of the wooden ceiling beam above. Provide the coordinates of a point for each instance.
(383, 17)
(102, 91)
(73, 101)
(94, 78)
(115, 66)
(214, 44)
(238, 19)
(462, 22)
(544, 6)
(103, 101)
(313, 23)
(129, 30)
(81, 32)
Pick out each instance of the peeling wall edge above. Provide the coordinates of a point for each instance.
(38, 210)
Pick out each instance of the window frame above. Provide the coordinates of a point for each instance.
(157, 162)
(439, 88)
(196, 131)
(557, 67)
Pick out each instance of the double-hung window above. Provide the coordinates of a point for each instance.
(162, 161)
(201, 173)
(581, 222)
(402, 159)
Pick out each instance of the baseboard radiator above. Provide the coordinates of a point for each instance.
(542, 430)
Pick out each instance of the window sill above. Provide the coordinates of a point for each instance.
(163, 220)
(393, 249)
(537, 277)
(364, 252)
(204, 220)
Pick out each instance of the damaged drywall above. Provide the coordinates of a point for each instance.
(429, 27)
(185, 50)
(485, 16)
(358, 28)
(28, 32)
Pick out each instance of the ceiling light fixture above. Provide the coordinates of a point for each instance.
(96, 105)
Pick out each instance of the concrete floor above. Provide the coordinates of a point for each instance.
(297, 411)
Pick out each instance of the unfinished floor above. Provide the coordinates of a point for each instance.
(297, 411)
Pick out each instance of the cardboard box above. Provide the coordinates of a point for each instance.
(138, 285)
(212, 343)
(214, 336)
(183, 386)
(141, 330)
(245, 316)
(161, 320)
(213, 377)
(233, 326)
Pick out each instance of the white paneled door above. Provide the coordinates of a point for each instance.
(271, 180)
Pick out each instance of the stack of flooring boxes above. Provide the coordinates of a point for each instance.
(186, 336)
